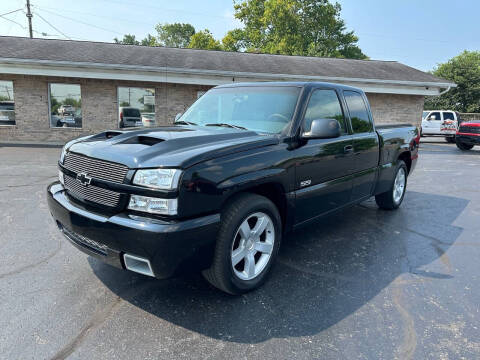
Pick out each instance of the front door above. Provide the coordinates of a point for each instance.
(432, 124)
(323, 166)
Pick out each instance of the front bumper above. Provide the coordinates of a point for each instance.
(170, 246)
(473, 139)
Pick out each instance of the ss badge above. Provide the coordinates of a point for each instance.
(305, 183)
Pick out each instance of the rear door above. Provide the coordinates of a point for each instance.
(365, 145)
(323, 166)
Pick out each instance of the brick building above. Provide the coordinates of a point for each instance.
(55, 90)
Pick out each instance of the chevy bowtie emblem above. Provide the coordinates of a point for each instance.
(84, 179)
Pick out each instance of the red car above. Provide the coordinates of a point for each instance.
(468, 135)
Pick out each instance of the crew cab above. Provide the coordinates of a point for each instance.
(217, 191)
(468, 135)
(440, 123)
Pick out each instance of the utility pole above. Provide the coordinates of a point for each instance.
(29, 16)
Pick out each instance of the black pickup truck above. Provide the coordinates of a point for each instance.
(216, 191)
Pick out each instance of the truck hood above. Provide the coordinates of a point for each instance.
(174, 146)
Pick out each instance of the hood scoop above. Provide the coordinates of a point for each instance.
(143, 140)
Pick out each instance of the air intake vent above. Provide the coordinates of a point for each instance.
(144, 140)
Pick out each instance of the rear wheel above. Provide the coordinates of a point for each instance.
(392, 198)
(464, 147)
(247, 244)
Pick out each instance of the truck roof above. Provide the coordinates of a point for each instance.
(304, 84)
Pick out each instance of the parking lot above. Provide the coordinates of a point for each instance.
(361, 284)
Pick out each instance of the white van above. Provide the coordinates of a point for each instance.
(440, 123)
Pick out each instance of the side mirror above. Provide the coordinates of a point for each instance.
(323, 129)
(178, 116)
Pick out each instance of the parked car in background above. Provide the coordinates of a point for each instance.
(65, 110)
(129, 117)
(245, 164)
(440, 123)
(468, 135)
(7, 113)
(148, 119)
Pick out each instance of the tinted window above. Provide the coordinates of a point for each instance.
(358, 112)
(131, 112)
(324, 104)
(448, 116)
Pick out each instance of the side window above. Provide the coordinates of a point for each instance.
(324, 104)
(448, 116)
(434, 116)
(358, 112)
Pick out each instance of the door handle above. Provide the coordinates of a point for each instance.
(348, 149)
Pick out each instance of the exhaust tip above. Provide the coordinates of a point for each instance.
(138, 265)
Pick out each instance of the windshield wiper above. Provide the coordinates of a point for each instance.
(227, 125)
(183, 122)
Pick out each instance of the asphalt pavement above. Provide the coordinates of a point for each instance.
(361, 284)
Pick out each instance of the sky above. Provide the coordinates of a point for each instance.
(418, 33)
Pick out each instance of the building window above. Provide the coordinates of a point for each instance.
(65, 106)
(7, 103)
(136, 107)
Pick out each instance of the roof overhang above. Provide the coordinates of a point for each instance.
(169, 74)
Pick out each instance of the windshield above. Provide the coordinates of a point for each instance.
(266, 109)
(424, 115)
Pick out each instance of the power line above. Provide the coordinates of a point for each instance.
(53, 27)
(78, 21)
(11, 12)
(13, 21)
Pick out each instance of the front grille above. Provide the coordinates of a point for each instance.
(84, 241)
(92, 193)
(95, 168)
(98, 169)
(469, 129)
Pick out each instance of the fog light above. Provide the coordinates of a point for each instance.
(153, 205)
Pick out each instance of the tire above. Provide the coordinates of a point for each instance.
(463, 146)
(236, 279)
(391, 200)
(450, 139)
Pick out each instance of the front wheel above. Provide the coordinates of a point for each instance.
(247, 244)
(464, 147)
(392, 198)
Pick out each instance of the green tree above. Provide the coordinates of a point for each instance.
(463, 70)
(128, 39)
(233, 41)
(204, 40)
(175, 35)
(293, 27)
(149, 41)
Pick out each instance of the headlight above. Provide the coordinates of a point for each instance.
(165, 179)
(62, 155)
(153, 205)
